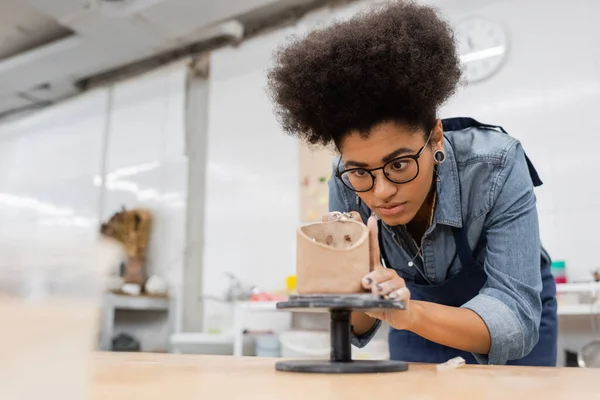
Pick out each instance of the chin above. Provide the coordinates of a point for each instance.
(400, 219)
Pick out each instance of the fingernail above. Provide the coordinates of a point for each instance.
(379, 288)
(368, 281)
(393, 295)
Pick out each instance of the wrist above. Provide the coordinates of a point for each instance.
(405, 320)
(416, 311)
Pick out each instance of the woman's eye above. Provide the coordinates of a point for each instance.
(359, 173)
(398, 165)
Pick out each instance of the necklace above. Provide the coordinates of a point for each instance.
(420, 248)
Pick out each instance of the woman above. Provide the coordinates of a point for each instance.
(449, 203)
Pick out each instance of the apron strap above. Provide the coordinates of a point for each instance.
(460, 123)
(462, 247)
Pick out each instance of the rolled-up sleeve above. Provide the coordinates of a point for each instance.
(509, 303)
(361, 341)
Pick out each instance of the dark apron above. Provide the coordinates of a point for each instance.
(465, 285)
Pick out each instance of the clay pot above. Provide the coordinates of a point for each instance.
(332, 257)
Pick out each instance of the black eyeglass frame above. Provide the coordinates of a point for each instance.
(414, 157)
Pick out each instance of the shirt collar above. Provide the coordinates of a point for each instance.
(448, 209)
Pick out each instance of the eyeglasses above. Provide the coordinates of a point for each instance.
(400, 170)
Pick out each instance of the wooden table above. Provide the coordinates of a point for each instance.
(144, 376)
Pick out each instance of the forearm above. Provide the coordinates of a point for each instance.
(455, 327)
(361, 323)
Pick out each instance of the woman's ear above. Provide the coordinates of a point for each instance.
(437, 136)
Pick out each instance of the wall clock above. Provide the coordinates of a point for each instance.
(482, 46)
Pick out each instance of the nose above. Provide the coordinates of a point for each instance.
(383, 189)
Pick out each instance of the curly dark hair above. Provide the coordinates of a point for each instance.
(396, 62)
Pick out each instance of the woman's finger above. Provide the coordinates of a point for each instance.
(375, 255)
(337, 215)
(379, 276)
(402, 294)
(355, 216)
(387, 287)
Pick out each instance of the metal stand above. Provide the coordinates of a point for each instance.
(340, 307)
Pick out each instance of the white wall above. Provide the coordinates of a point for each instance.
(546, 95)
(67, 168)
(47, 166)
(252, 203)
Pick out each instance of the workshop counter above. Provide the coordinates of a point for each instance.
(146, 376)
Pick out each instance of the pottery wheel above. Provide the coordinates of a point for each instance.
(340, 308)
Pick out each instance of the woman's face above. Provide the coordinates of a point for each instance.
(395, 204)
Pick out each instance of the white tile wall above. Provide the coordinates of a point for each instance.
(47, 166)
(60, 143)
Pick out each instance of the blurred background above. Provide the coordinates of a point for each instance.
(148, 121)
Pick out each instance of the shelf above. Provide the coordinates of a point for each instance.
(114, 302)
(578, 309)
(258, 305)
(142, 303)
(578, 287)
(201, 338)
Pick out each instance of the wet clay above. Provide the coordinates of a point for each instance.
(332, 257)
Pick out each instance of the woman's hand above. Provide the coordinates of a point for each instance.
(382, 281)
(336, 215)
(386, 282)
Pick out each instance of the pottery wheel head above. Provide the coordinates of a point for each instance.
(337, 234)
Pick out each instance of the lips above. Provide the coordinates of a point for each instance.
(391, 208)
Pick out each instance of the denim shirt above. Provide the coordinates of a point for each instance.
(484, 184)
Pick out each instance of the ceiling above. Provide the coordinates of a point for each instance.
(52, 49)
(48, 46)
